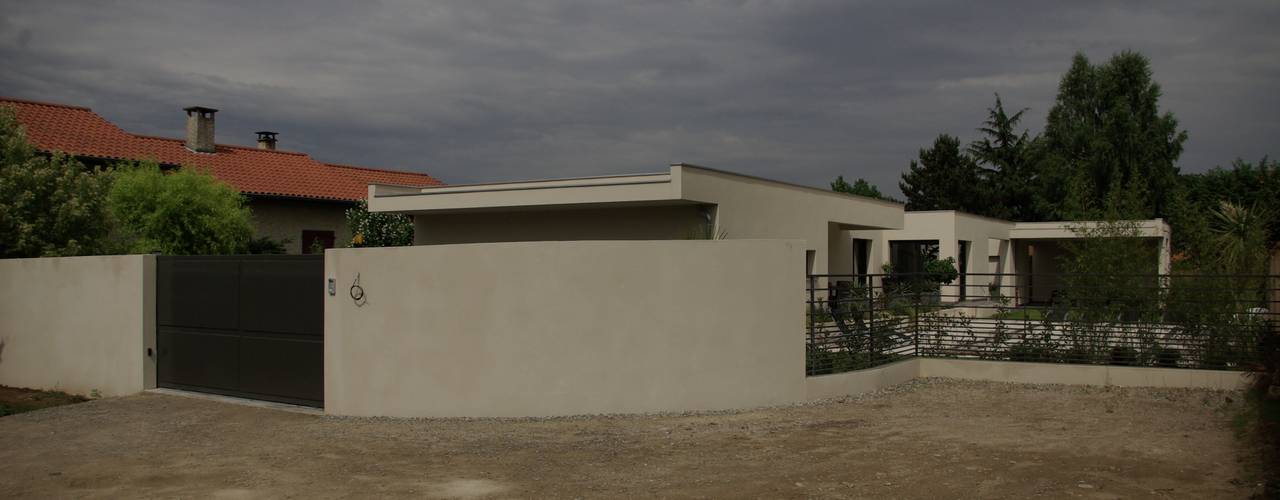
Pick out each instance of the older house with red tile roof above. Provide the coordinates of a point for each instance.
(293, 196)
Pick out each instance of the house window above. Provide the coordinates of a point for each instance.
(909, 256)
(316, 241)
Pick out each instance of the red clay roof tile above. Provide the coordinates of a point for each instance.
(79, 131)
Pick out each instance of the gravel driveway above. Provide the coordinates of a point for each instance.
(924, 439)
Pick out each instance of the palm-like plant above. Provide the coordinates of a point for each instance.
(1239, 237)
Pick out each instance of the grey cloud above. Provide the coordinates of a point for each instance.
(477, 91)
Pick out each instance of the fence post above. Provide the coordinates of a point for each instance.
(808, 310)
(915, 321)
(871, 317)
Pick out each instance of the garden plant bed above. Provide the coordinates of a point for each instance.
(925, 439)
(15, 400)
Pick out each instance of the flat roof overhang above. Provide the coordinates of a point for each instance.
(1060, 230)
(684, 184)
(618, 190)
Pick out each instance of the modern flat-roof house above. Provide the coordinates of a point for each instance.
(985, 248)
(845, 234)
(294, 197)
(686, 202)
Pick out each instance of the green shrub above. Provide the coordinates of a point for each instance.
(378, 229)
(50, 205)
(1077, 355)
(1124, 356)
(1264, 399)
(1167, 357)
(267, 245)
(183, 212)
(1029, 352)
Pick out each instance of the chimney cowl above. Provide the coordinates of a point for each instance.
(266, 139)
(200, 129)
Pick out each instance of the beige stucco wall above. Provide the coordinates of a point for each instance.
(78, 324)
(1044, 268)
(748, 207)
(986, 237)
(284, 218)
(1157, 231)
(594, 223)
(979, 232)
(997, 246)
(562, 328)
(647, 206)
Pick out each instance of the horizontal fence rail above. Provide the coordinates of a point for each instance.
(1174, 321)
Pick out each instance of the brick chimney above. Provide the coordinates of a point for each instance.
(266, 140)
(200, 128)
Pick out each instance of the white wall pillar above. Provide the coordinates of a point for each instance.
(950, 247)
(1166, 260)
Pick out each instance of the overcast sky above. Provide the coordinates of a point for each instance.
(474, 91)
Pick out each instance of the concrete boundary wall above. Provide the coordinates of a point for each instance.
(857, 382)
(78, 324)
(872, 379)
(1055, 373)
(565, 328)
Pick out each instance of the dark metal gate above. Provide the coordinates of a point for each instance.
(247, 325)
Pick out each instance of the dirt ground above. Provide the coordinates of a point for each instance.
(926, 439)
(16, 400)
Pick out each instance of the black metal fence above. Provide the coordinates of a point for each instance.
(1174, 321)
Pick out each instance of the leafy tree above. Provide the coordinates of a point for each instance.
(1108, 273)
(378, 229)
(859, 187)
(1006, 154)
(183, 212)
(1105, 132)
(1244, 183)
(944, 178)
(50, 205)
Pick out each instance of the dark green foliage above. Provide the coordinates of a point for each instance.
(1264, 404)
(184, 212)
(1167, 357)
(14, 400)
(916, 271)
(941, 271)
(1009, 171)
(1180, 321)
(1201, 221)
(859, 187)
(1244, 184)
(266, 245)
(1109, 272)
(1124, 356)
(1106, 138)
(993, 176)
(50, 205)
(1106, 151)
(378, 229)
(944, 178)
(1031, 352)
